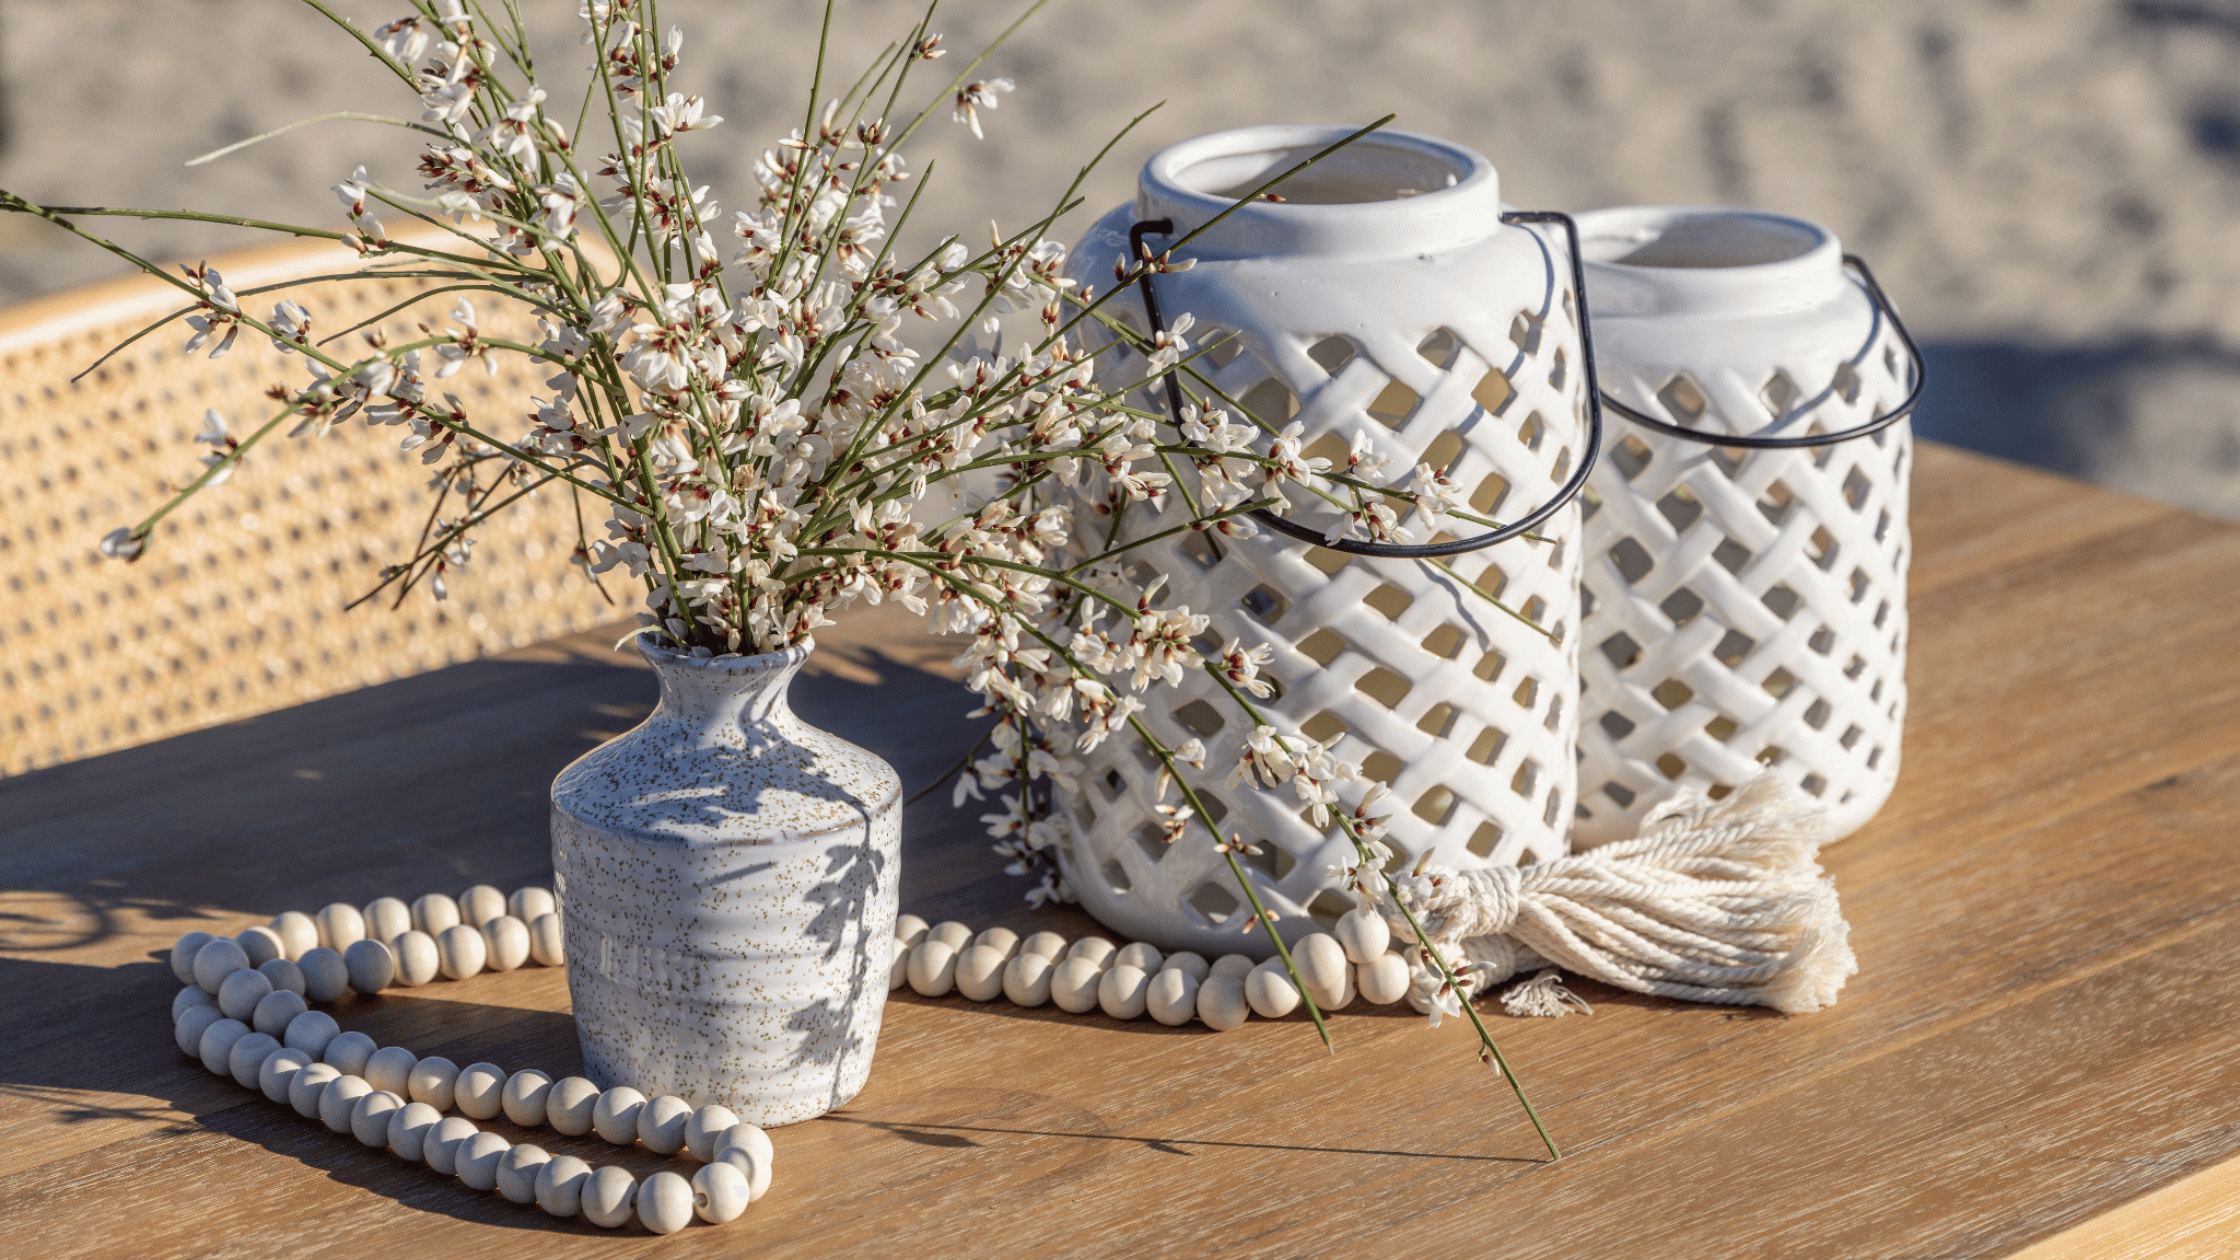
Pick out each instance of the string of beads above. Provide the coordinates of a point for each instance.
(245, 1013)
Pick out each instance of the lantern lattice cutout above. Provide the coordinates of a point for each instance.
(1744, 608)
(1327, 314)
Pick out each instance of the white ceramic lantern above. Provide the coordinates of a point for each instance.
(1383, 295)
(1745, 607)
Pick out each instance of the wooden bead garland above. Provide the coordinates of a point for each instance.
(245, 1014)
(1128, 982)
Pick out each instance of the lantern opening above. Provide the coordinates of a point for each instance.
(1363, 171)
(1719, 239)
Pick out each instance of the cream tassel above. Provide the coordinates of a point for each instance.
(1714, 901)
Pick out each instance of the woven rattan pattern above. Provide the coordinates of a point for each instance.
(1467, 715)
(237, 609)
(1747, 608)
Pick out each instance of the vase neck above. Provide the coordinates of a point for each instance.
(734, 702)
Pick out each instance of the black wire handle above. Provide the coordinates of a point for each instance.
(1454, 547)
(1759, 443)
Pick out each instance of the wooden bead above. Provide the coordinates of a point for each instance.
(182, 955)
(432, 1082)
(953, 934)
(1122, 991)
(517, 1172)
(480, 904)
(435, 914)
(706, 1128)
(524, 1098)
(310, 1032)
(1195, 964)
(720, 1193)
(1048, 945)
(339, 1099)
(507, 940)
(275, 1011)
(349, 1052)
(1385, 980)
(609, 1197)
(1271, 992)
(370, 1117)
(748, 1149)
(560, 1185)
(325, 977)
(1140, 955)
(218, 958)
(1323, 965)
(476, 1161)
(284, 974)
(479, 1093)
(933, 967)
(279, 1072)
(246, 1060)
(1221, 1002)
(1094, 948)
(307, 1085)
(440, 1149)
(187, 1030)
(664, 1202)
(898, 964)
(371, 966)
(1026, 979)
(910, 929)
(979, 973)
(545, 943)
(340, 926)
(216, 1047)
(661, 1124)
(462, 951)
(387, 918)
(615, 1116)
(568, 1107)
(1234, 966)
(261, 944)
(1001, 938)
(410, 1127)
(1172, 996)
(526, 904)
(390, 1068)
(240, 992)
(1073, 986)
(1364, 934)
(192, 995)
(418, 959)
(298, 931)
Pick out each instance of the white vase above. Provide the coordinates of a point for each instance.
(727, 877)
(1745, 607)
(1383, 296)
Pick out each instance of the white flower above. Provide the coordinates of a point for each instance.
(683, 113)
(122, 544)
(975, 96)
(405, 39)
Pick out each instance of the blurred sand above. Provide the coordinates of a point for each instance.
(2049, 187)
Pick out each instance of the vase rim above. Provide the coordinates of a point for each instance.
(669, 658)
(1191, 181)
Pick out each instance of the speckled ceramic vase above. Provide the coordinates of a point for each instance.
(727, 877)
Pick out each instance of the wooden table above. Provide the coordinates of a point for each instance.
(2039, 1054)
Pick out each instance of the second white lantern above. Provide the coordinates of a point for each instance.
(1746, 602)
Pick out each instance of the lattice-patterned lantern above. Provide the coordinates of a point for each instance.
(1746, 532)
(1383, 295)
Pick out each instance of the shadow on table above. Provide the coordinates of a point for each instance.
(438, 781)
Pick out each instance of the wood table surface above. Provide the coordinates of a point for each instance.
(2038, 1056)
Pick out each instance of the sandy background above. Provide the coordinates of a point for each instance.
(2049, 187)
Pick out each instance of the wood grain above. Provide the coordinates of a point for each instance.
(2037, 1054)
